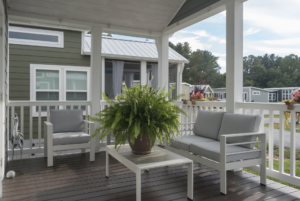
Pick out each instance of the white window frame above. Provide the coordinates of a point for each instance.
(59, 44)
(255, 93)
(62, 82)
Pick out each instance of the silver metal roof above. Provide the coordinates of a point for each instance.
(121, 48)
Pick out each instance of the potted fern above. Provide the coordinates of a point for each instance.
(140, 115)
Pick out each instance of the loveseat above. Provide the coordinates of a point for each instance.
(224, 141)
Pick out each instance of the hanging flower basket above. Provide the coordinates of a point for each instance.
(184, 101)
(290, 105)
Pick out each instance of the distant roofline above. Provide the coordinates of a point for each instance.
(243, 88)
(281, 88)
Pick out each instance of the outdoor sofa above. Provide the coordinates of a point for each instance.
(224, 141)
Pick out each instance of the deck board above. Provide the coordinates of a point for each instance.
(73, 177)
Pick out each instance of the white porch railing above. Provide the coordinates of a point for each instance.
(261, 109)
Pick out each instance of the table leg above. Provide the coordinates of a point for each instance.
(138, 186)
(107, 164)
(190, 182)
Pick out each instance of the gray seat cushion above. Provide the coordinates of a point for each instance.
(70, 138)
(240, 123)
(67, 120)
(208, 124)
(211, 150)
(184, 142)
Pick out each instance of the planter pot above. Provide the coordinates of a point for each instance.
(141, 146)
(184, 101)
(290, 106)
(193, 102)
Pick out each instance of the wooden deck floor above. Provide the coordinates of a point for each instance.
(73, 177)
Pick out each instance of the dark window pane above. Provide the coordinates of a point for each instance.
(76, 96)
(50, 96)
(30, 36)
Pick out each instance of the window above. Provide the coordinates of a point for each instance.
(58, 83)
(256, 93)
(36, 37)
(245, 95)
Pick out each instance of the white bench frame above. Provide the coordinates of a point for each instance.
(89, 127)
(223, 166)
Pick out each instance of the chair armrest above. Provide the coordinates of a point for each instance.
(48, 128)
(89, 127)
(242, 134)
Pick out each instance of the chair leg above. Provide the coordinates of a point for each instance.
(45, 150)
(223, 176)
(49, 155)
(92, 149)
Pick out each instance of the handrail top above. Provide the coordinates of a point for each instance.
(47, 103)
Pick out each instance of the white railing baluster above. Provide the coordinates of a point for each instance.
(281, 141)
(48, 113)
(22, 119)
(30, 127)
(271, 139)
(12, 119)
(39, 125)
(262, 122)
(189, 119)
(7, 125)
(293, 144)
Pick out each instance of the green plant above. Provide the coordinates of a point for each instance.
(137, 110)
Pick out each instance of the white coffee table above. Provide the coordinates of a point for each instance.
(157, 158)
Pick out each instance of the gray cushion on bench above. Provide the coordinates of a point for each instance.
(66, 120)
(240, 123)
(211, 150)
(70, 138)
(208, 124)
(185, 142)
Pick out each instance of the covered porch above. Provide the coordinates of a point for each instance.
(74, 174)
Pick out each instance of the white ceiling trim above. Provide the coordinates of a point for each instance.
(39, 20)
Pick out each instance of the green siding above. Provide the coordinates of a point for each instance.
(20, 58)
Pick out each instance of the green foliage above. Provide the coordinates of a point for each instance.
(139, 110)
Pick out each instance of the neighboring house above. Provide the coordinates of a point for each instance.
(250, 94)
(280, 94)
(208, 91)
(49, 64)
(186, 90)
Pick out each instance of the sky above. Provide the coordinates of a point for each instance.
(270, 27)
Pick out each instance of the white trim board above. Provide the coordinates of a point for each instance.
(59, 34)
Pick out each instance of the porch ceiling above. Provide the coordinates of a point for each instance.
(151, 15)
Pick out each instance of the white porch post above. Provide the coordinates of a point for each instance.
(162, 44)
(96, 74)
(180, 67)
(103, 77)
(234, 52)
(143, 73)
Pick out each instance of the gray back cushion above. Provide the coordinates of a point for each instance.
(66, 120)
(240, 123)
(208, 124)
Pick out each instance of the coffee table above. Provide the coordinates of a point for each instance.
(157, 158)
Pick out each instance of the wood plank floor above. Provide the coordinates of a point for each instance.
(73, 177)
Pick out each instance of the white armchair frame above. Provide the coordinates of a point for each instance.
(89, 128)
(223, 166)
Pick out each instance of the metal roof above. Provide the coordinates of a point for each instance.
(121, 48)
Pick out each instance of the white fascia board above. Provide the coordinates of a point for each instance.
(198, 16)
(64, 23)
(114, 56)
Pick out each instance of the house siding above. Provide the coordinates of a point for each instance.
(263, 97)
(20, 58)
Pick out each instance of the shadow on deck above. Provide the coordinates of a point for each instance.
(73, 177)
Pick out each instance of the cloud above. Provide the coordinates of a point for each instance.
(287, 41)
(278, 16)
(193, 41)
(203, 33)
(251, 31)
